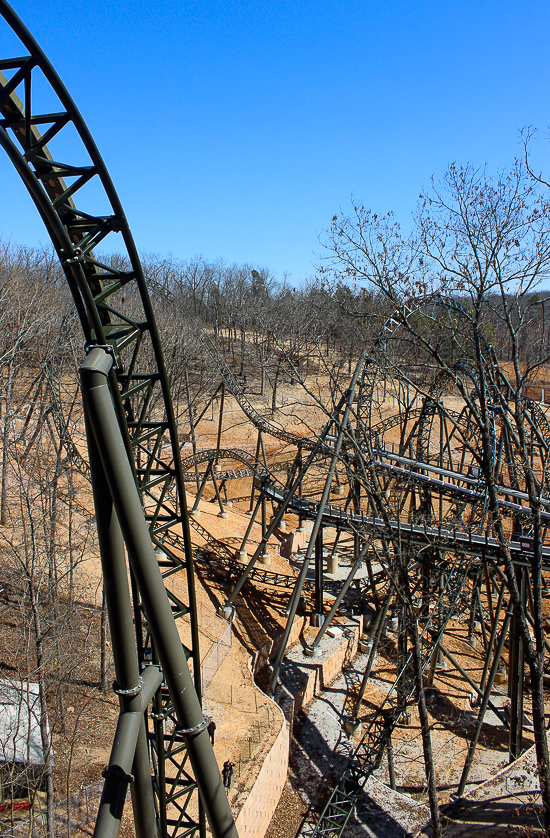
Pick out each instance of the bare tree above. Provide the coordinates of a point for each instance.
(474, 269)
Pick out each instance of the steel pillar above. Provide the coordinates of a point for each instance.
(318, 611)
(515, 674)
(123, 640)
(118, 472)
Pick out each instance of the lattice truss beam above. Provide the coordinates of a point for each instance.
(50, 146)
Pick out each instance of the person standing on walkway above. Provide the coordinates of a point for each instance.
(211, 729)
(227, 773)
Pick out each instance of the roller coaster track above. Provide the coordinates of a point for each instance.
(58, 187)
(254, 466)
(461, 541)
(465, 540)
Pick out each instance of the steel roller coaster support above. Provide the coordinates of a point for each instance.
(141, 502)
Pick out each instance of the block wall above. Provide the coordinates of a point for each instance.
(255, 815)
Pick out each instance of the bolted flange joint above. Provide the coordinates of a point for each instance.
(131, 691)
(193, 731)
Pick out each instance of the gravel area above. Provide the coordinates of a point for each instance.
(320, 751)
(321, 748)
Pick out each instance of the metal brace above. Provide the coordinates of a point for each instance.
(78, 256)
(88, 346)
(117, 773)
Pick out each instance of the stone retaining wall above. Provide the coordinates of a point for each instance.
(303, 679)
(270, 650)
(262, 800)
(306, 677)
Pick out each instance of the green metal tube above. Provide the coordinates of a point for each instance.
(281, 511)
(123, 638)
(118, 776)
(201, 487)
(492, 638)
(484, 703)
(126, 500)
(249, 527)
(374, 637)
(453, 661)
(316, 526)
(340, 597)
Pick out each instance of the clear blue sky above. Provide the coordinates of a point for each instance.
(236, 130)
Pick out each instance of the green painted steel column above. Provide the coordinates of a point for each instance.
(484, 703)
(336, 604)
(282, 509)
(123, 639)
(118, 776)
(103, 421)
(348, 399)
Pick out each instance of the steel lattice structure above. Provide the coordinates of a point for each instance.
(125, 367)
(403, 492)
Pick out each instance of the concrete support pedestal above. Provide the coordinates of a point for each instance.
(333, 564)
(227, 612)
(365, 646)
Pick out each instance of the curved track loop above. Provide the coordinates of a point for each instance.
(253, 466)
(67, 186)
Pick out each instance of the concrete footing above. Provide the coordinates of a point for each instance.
(313, 651)
(333, 564)
(227, 612)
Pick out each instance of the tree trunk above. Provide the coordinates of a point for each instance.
(241, 372)
(44, 724)
(5, 449)
(424, 725)
(274, 394)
